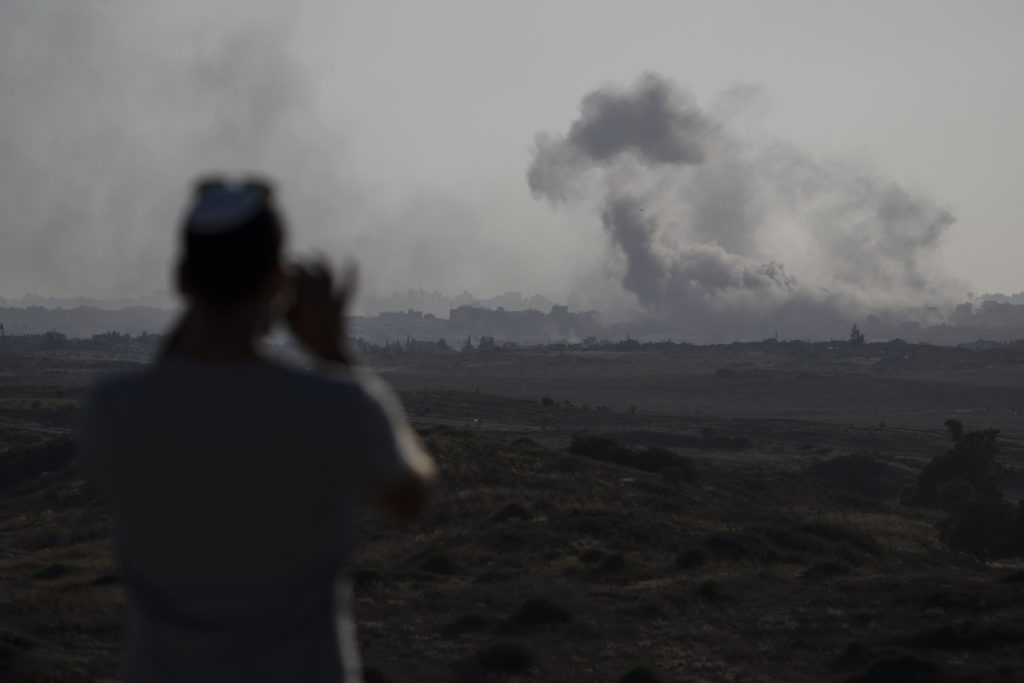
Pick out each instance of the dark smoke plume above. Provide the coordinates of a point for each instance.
(714, 231)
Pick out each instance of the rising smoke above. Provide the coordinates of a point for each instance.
(717, 232)
(110, 110)
(111, 107)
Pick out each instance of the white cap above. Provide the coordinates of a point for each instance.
(220, 207)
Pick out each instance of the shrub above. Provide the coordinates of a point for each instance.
(901, 669)
(600, 448)
(53, 571)
(613, 564)
(966, 635)
(955, 495)
(510, 658)
(106, 580)
(967, 481)
(712, 438)
(859, 473)
(438, 564)
(784, 536)
(844, 535)
(854, 655)
(511, 511)
(539, 612)
(467, 623)
(983, 528)
(691, 558)
(26, 462)
(12, 648)
(825, 570)
(640, 674)
(372, 675)
(971, 460)
(651, 459)
(740, 546)
(662, 460)
(1016, 576)
(711, 591)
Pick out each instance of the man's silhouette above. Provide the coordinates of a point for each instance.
(235, 482)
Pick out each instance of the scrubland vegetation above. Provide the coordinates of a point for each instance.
(575, 544)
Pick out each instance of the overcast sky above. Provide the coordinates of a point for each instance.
(402, 133)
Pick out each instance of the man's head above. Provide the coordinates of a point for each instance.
(231, 243)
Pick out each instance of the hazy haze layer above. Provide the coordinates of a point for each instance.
(401, 136)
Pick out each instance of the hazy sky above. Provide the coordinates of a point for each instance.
(403, 133)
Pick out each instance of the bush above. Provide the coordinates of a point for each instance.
(966, 635)
(53, 571)
(712, 438)
(844, 535)
(1016, 576)
(825, 570)
(511, 511)
(900, 669)
(956, 495)
(787, 542)
(640, 674)
(854, 655)
(438, 564)
(662, 460)
(967, 481)
(600, 448)
(535, 613)
(653, 458)
(27, 462)
(656, 459)
(691, 558)
(711, 591)
(613, 564)
(467, 623)
(971, 460)
(539, 612)
(983, 528)
(371, 675)
(12, 648)
(861, 474)
(741, 546)
(513, 658)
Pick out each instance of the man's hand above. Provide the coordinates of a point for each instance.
(317, 314)
(407, 499)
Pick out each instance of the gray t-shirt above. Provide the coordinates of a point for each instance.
(236, 489)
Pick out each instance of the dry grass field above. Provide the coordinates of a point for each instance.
(734, 555)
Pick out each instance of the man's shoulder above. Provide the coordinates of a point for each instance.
(337, 381)
(316, 385)
(330, 385)
(121, 384)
